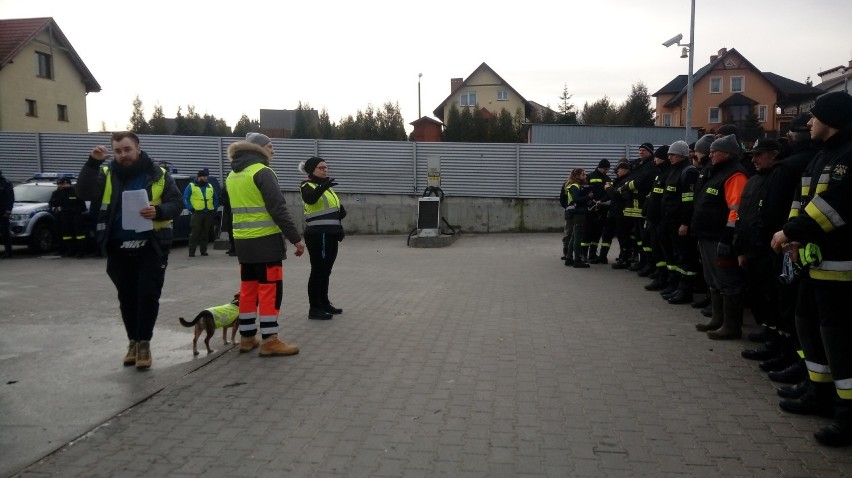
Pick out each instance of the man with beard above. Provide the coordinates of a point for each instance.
(136, 261)
(201, 200)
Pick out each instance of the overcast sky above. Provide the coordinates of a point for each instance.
(234, 58)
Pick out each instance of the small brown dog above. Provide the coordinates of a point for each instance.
(208, 320)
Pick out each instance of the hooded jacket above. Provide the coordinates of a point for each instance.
(269, 248)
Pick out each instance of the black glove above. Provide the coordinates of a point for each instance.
(340, 236)
(328, 182)
(725, 255)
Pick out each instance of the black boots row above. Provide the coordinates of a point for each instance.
(323, 312)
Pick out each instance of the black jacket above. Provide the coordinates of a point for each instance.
(679, 194)
(7, 196)
(765, 206)
(66, 201)
(711, 211)
(653, 209)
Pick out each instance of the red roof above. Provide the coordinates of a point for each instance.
(16, 34)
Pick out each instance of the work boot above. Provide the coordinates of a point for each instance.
(793, 391)
(647, 270)
(793, 374)
(681, 296)
(581, 264)
(701, 303)
(143, 354)
(707, 311)
(272, 347)
(716, 319)
(839, 433)
(247, 344)
(318, 313)
(732, 319)
(659, 282)
(130, 357)
(817, 400)
(332, 309)
(619, 264)
(779, 362)
(762, 353)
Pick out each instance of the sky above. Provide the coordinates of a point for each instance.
(235, 58)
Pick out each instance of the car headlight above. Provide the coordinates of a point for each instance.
(19, 217)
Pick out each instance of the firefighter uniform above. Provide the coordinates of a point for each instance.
(69, 209)
(598, 210)
(682, 250)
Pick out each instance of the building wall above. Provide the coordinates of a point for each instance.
(486, 85)
(19, 82)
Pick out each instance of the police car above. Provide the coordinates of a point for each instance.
(31, 223)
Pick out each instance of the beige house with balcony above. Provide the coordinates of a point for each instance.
(43, 82)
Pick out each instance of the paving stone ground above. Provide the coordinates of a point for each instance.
(488, 358)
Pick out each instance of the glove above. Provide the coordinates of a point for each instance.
(328, 182)
(340, 236)
(725, 255)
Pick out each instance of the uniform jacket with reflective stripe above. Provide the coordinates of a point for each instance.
(712, 211)
(826, 208)
(92, 186)
(597, 181)
(654, 202)
(322, 208)
(679, 193)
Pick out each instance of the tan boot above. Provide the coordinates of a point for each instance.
(717, 319)
(130, 357)
(143, 354)
(247, 344)
(272, 347)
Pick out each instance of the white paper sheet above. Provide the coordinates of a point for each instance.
(131, 203)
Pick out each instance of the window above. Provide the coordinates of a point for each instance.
(761, 113)
(667, 119)
(468, 99)
(714, 115)
(716, 84)
(32, 109)
(62, 112)
(502, 96)
(45, 65)
(737, 84)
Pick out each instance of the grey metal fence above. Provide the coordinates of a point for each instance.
(361, 167)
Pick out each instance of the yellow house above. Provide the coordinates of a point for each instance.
(483, 88)
(43, 82)
(730, 88)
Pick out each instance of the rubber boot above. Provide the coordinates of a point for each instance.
(732, 326)
(716, 319)
(839, 432)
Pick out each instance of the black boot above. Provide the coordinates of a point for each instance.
(817, 400)
(839, 433)
(793, 374)
(318, 313)
(772, 347)
(331, 309)
(793, 391)
(671, 288)
(647, 270)
(660, 281)
(592, 253)
(716, 318)
(779, 362)
(701, 303)
(602, 259)
(681, 296)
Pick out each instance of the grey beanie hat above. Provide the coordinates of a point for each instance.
(259, 139)
(727, 144)
(703, 144)
(680, 148)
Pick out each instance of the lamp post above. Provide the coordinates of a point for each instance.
(687, 52)
(419, 75)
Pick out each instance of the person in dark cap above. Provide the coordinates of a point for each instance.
(618, 223)
(714, 218)
(7, 201)
(68, 209)
(323, 231)
(261, 222)
(636, 189)
(818, 237)
(202, 201)
(599, 182)
(653, 214)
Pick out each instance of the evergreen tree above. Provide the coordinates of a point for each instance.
(181, 127)
(452, 132)
(466, 125)
(567, 113)
(390, 123)
(503, 128)
(157, 123)
(751, 129)
(104, 127)
(636, 110)
(601, 112)
(302, 127)
(194, 123)
(548, 116)
(245, 126)
(520, 126)
(480, 126)
(138, 124)
(326, 127)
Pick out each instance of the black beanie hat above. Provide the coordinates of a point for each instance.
(647, 147)
(312, 164)
(834, 109)
(201, 173)
(604, 163)
(622, 166)
(662, 152)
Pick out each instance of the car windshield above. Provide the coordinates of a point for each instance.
(33, 192)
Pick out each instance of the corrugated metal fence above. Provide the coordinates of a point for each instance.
(360, 167)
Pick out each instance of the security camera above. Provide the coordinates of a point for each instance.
(673, 40)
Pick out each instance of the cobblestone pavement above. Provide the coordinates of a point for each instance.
(487, 358)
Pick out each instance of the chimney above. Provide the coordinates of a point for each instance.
(455, 83)
(722, 51)
(713, 58)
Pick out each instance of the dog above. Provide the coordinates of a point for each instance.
(208, 320)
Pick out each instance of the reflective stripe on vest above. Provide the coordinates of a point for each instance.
(198, 200)
(251, 219)
(325, 212)
(157, 189)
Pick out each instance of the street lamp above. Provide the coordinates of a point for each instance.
(419, 75)
(687, 52)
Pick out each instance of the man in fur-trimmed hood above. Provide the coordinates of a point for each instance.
(260, 221)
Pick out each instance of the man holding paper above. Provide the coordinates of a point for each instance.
(136, 202)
